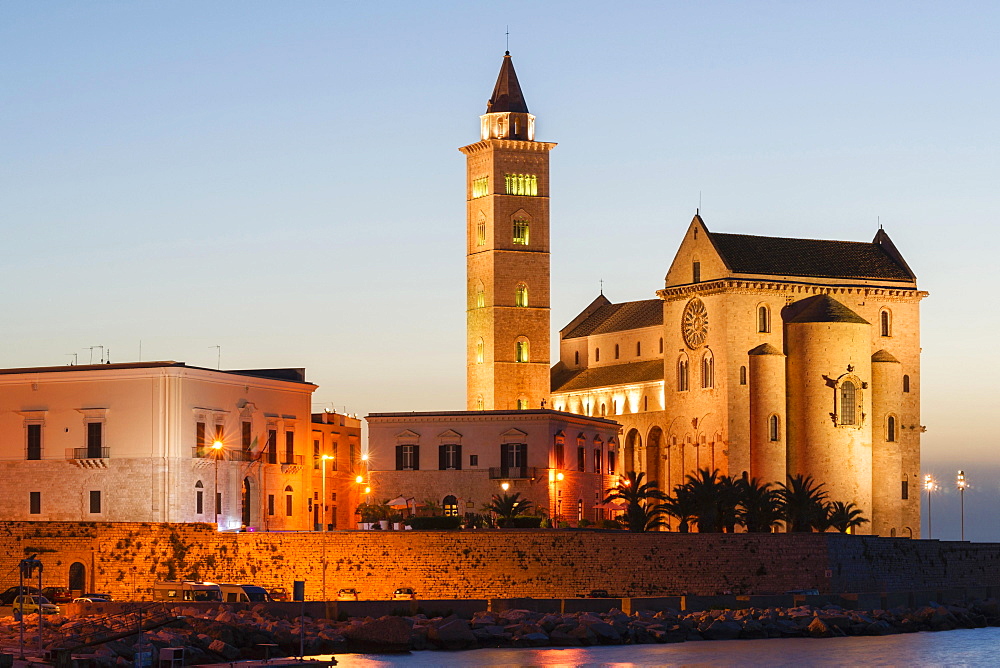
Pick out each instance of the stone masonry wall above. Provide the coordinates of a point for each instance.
(127, 558)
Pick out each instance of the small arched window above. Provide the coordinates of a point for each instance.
(645, 403)
(521, 295)
(743, 375)
(763, 319)
(890, 429)
(616, 351)
(521, 352)
(450, 506)
(288, 501)
(773, 428)
(480, 403)
(848, 403)
(576, 358)
(604, 410)
(199, 498)
(480, 295)
(481, 231)
(906, 383)
(522, 229)
(661, 345)
(522, 404)
(480, 351)
(682, 373)
(638, 348)
(708, 370)
(885, 322)
(696, 272)
(597, 354)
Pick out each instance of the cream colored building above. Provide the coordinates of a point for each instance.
(562, 463)
(134, 443)
(764, 357)
(336, 457)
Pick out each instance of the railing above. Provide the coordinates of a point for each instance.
(91, 453)
(512, 472)
(293, 460)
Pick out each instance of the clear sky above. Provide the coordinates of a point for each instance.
(282, 179)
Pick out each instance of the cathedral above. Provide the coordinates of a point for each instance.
(761, 357)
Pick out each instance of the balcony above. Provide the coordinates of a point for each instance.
(291, 463)
(91, 458)
(512, 472)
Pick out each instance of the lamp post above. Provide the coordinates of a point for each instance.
(505, 486)
(929, 486)
(217, 448)
(554, 478)
(323, 505)
(962, 484)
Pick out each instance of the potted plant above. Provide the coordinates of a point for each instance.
(369, 515)
(383, 512)
(397, 521)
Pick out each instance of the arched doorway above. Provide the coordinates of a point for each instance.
(245, 503)
(632, 442)
(450, 506)
(77, 577)
(654, 453)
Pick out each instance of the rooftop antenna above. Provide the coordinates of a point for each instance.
(879, 219)
(602, 287)
(92, 354)
(75, 358)
(218, 358)
(508, 40)
(140, 350)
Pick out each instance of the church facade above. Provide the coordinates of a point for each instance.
(764, 357)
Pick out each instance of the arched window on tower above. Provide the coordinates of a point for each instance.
(480, 351)
(682, 373)
(906, 383)
(576, 358)
(773, 428)
(743, 375)
(890, 429)
(661, 345)
(521, 352)
(597, 354)
(480, 403)
(638, 348)
(521, 295)
(885, 322)
(480, 295)
(763, 319)
(708, 370)
(481, 231)
(848, 403)
(616, 351)
(522, 231)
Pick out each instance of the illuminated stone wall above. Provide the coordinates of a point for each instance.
(123, 558)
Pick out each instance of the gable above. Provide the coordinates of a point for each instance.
(697, 247)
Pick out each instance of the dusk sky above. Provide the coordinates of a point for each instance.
(282, 179)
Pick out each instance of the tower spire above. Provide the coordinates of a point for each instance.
(507, 95)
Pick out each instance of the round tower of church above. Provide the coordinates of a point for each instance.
(887, 459)
(829, 416)
(767, 414)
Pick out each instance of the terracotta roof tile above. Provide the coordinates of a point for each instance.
(566, 380)
(620, 317)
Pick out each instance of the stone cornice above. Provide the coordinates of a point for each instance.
(508, 144)
(756, 287)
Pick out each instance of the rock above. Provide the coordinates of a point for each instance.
(537, 639)
(722, 630)
(605, 633)
(386, 633)
(452, 635)
(224, 650)
(879, 628)
(561, 638)
(818, 629)
(753, 630)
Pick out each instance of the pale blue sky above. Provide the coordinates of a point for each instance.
(282, 179)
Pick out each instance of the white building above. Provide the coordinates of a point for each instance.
(134, 443)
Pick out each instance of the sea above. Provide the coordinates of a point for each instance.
(963, 647)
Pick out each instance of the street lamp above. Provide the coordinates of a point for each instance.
(217, 447)
(962, 484)
(505, 486)
(929, 486)
(323, 505)
(554, 478)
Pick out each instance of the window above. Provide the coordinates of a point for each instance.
(576, 358)
(473, 460)
(616, 351)
(34, 441)
(218, 433)
(95, 440)
(480, 187)
(199, 438)
(521, 351)
(708, 370)
(218, 503)
(604, 410)
(906, 383)
(743, 375)
(638, 348)
(480, 351)
(890, 429)
(288, 501)
(848, 403)
(581, 459)
(559, 454)
(905, 492)
(480, 296)
(522, 404)
(696, 272)
(95, 502)
(335, 453)
(645, 403)
(579, 509)
(522, 232)
(407, 457)
(661, 345)
(521, 295)
(513, 456)
(682, 374)
(598, 461)
(480, 403)
(885, 322)
(521, 184)
(772, 428)
(289, 447)
(316, 454)
(272, 446)
(450, 457)
(763, 319)
(35, 503)
(353, 457)
(611, 462)
(450, 506)
(246, 440)
(597, 354)
(199, 501)
(270, 504)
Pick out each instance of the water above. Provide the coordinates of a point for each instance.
(965, 647)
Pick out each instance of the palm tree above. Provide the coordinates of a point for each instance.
(714, 498)
(642, 510)
(844, 517)
(760, 506)
(803, 504)
(508, 506)
(681, 505)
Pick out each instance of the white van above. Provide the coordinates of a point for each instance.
(186, 591)
(240, 593)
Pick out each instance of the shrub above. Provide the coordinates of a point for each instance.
(610, 524)
(435, 522)
(523, 522)
(584, 523)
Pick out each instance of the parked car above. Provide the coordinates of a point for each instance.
(33, 604)
(7, 598)
(57, 594)
(347, 594)
(90, 599)
(598, 593)
(242, 593)
(803, 592)
(106, 597)
(278, 594)
(404, 594)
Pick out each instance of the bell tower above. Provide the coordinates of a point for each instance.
(507, 255)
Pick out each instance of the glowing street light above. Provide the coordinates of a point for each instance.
(217, 447)
(554, 478)
(962, 484)
(322, 511)
(929, 486)
(505, 486)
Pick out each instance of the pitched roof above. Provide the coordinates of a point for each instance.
(749, 254)
(824, 308)
(507, 95)
(565, 379)
(619, 317)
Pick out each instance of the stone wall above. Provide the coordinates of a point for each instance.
(125, 558)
